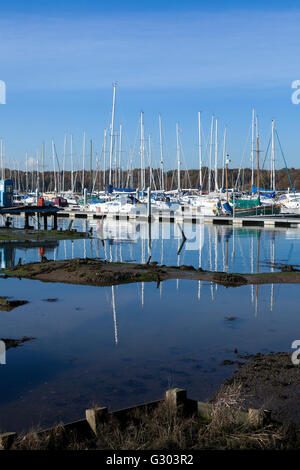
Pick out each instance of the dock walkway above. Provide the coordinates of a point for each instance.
(280, 220)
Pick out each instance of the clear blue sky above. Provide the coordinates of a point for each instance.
(176, 58)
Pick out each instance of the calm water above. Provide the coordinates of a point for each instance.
(124, 345)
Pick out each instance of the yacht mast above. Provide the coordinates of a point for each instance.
(257, 150)
(72, 165)
(112, 134)
(43, 167)
(142, 153)
(178, 158)
(104, 160)
(224, 154)
(91, 165)
(273, 158)
(210, 153)
(216, 155)
(200, 151)
(26, 172)
(120, 156)
(162, 182)
(252, 148)
(64, 164)
(150, 160)
(2, 163)
(83, 161)
(54, 169)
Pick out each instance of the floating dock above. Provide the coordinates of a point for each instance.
(280, 220)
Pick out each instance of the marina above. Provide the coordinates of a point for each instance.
(149, 227)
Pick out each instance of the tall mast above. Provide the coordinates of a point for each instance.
(54, 169)
(26, 172)
(120, 156)
(224, 154)
(210, 153)
(43, 167)
(178, 158)
(72, 165)
(83, 161)
(64, 164)
(115, 161)
(142, 152)
(112, 134)
(104, 160)
(91, 165)
(162, 182)
(216, 156)
(200, 151)
(273, 158)
(252, 148)
(2, 164)
(257, 150)
(37, 170)
(150, 160)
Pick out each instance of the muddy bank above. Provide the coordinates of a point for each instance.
(13, 234)
(95, 272)
(8, 304)
(270, 382)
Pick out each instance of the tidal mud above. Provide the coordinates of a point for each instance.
(268, 381)
(95, 272)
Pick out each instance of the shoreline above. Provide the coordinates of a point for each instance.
(95, 272)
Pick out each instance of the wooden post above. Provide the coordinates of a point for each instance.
(26, 221)
(55, 221)
(176, 397)
(45, 221)
(7, 439)
(95, 417)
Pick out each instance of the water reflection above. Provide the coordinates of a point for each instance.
(11, 252)
(213, 247)
(119, 345)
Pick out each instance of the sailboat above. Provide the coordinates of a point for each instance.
(251, 207)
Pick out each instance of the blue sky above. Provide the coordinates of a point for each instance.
(176, 58)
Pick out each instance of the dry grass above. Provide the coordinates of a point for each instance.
(164, 428)
(161, 428)
(228, 430)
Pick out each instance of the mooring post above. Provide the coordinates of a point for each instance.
(45, 222)
(55, 221)
(176, 397)
(95, 417)
(7, 439)
(26, 226)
